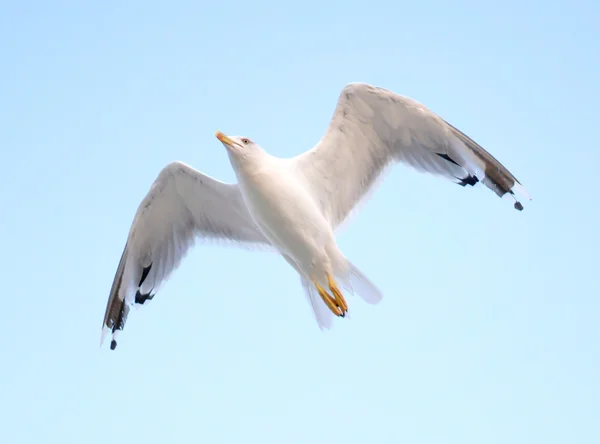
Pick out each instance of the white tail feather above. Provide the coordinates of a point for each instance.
(354, 281)
(361, 285)
(323, 315)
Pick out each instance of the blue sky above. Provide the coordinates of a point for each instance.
(488, 332)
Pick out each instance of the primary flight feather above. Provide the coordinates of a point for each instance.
(293, 206)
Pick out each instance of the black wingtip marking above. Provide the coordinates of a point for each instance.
(123, 308)
(145, 272)
(518, 205)
(469, 180)
(141, 298)
(446, 157)
(123, 312)
(119, 323)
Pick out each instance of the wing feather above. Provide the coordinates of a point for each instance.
(372, 128)
(182, 205)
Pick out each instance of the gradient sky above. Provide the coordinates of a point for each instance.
(488, 332)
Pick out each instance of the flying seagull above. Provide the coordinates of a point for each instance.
(293, 206)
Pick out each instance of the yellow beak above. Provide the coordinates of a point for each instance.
(224, 139)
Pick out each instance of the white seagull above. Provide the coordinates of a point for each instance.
(293, 206)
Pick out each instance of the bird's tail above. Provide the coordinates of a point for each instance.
(352, 280)
(358, 283)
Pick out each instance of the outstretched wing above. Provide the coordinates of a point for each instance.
(181, 206)
(373, 127)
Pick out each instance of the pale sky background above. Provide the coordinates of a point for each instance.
(488, 332)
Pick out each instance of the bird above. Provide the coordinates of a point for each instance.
(294, 206)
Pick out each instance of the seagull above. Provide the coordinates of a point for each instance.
(293, 206)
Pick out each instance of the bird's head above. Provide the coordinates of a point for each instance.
(238, 145)
(240, 149)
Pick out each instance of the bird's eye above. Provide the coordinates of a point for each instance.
(245, 141)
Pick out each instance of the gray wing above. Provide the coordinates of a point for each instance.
(372, 128)
(181, 206)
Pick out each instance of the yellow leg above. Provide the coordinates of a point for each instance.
(329, 301)
(339, 298)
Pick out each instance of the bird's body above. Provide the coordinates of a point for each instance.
(282, 209)
(287, 215)
(294, 206)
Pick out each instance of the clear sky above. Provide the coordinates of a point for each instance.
(488, 331)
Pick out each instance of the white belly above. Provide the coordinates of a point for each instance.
(287, 216)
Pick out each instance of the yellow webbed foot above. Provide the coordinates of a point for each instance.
(337, 304)
(329, 301)
(339, 297)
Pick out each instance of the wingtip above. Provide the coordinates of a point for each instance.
(103, 335)
(521, 189)
(113, 342)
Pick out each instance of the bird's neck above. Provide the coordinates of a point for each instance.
(255, 166)
(252, 163)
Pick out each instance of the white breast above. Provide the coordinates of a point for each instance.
(285, 212)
